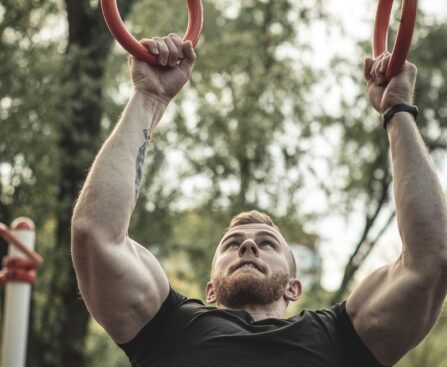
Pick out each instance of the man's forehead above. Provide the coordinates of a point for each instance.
(254, 228)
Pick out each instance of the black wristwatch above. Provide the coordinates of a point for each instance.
(401, 107)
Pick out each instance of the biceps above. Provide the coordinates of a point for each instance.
(123, 286)
(395, 308)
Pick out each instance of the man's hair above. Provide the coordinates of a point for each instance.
(255, 217)
(251, 217)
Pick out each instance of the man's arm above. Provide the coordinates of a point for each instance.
(395, 307)
(121, 282)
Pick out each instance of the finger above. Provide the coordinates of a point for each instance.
(151, 45)
(371, 82)
(380, 68)
(190, 56)
(379, 73)
(173, 52)
(178, 43)
(411, 68)
(374, 68)
(383, 67)
(367, 68)
(164, 51)
(373, 71)
(384, 63)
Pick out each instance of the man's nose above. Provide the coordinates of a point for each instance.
(248, 247)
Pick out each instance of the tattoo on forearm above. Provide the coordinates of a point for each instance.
(140, 162)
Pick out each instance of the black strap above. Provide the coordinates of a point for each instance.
(401, 107)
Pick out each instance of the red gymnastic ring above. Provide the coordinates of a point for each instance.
(130, 44)
(404, 35)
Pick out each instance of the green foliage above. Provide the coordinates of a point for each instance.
(362, 136)
(27, 78)
(236, 139)
(101, 350)
(362, 171)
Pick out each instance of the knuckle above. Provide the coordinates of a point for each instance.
(163, 45)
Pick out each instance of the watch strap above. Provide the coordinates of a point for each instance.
(401, 107)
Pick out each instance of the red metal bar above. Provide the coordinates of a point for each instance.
(18, 270)
(8, 236)
(404, 35)
(131, 45)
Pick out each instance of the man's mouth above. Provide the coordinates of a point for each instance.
(248, 266)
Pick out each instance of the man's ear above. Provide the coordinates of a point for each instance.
(210, 294)
(293, 290)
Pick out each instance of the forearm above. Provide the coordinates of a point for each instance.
(420, 201)
(110, 192)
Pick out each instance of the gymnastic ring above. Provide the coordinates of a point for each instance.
(404, 34)
(131, 45)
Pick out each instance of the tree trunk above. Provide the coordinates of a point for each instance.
(65, 320)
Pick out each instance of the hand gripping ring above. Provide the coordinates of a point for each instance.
(130, 44)
(404, 35)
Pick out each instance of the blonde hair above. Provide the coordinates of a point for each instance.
(251, 217)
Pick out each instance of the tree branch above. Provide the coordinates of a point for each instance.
(363, 247)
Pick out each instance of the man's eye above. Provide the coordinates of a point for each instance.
(232, 245)
(266, 243)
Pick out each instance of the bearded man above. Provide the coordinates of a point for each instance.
(253, 276)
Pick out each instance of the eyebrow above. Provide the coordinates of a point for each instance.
(237, 234)
(265, 233)
(258, 234)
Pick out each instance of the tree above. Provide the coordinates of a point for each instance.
(240, 136)
(246, 95)
(364, 147)
(78, 129)
(59, 134)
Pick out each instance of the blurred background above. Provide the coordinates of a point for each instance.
(275, 118)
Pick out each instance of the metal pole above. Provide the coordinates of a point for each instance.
(17, 303)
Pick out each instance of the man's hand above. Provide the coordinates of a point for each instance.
(176, 60)
(399, 89)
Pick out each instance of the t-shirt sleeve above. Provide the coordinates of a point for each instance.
(154, 330)
(354, 350)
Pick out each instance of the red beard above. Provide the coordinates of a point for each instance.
(244, 288)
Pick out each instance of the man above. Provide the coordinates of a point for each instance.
(253, 271)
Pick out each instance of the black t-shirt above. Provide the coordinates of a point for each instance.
(186, 333)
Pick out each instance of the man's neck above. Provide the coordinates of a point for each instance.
(274, 310)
